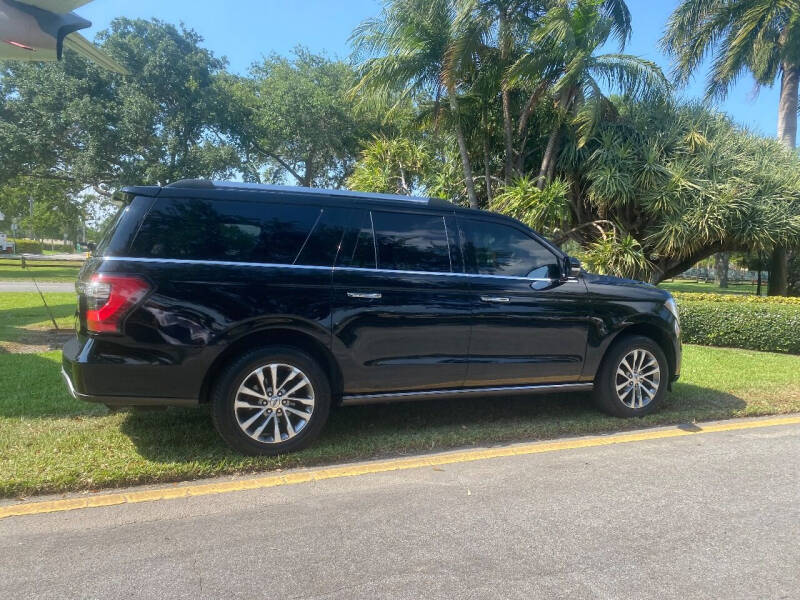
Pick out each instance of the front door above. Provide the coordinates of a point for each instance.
(401, 307)
(529, 323)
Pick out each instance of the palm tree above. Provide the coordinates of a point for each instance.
(757, 36)
(408, 50)
(500, 23)
(563, 57)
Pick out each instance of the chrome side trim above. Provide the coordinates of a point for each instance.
(70, 387)
(353, 399)
(232, 263)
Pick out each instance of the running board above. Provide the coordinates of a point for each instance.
(354, 399)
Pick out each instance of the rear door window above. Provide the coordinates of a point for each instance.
(231, 231)
(358, 245)
(411, 242)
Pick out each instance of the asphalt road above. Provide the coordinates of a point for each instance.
(715, 515)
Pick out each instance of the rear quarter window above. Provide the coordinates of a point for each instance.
(222, 230)
(122, 227)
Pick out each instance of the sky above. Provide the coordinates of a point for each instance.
(245, 30)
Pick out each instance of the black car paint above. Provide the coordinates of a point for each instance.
(427, 331)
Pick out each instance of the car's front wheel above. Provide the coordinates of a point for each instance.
(633, 377)
(271, 400)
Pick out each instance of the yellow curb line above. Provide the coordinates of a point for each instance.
(399, 464)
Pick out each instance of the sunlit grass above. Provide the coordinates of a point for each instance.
(50, 442)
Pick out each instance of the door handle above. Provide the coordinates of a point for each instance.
(494, 299)
(365, 295)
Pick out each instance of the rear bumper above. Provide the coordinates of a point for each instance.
(78, 368)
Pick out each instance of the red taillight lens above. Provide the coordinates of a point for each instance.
(108, 299)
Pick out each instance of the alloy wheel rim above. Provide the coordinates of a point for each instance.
(638, 378)
(274, 403)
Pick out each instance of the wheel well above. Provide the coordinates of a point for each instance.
(287, 337)
(655, 334)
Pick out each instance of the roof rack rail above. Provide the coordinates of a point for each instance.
(191, 183)
(260, 187)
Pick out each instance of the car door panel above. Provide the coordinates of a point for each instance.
(529, 324)
(526, 332)
(399, 329)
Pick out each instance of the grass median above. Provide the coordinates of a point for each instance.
(52, 443)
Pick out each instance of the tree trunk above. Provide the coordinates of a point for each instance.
(787, 134)
(508, 136)
(721, 263)
(548, 158)
(462, 149)
(758, 284)
(778, 273)
(487, 172)
(505, 43)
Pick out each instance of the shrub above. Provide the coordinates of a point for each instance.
(734, 298)
(25, 246)
(742, 322)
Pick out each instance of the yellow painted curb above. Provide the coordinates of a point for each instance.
(398, 464)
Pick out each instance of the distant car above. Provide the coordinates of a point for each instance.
(274, 304)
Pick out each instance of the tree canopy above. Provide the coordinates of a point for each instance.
(529, 107)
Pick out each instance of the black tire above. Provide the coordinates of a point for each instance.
(234, 375)
(606, 381)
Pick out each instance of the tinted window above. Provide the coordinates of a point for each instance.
(495, 249)
(119, 231)
(411, 242)
(225, 230)
(358, 247)
(322, 244)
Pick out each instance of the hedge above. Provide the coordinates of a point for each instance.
(735, 298)
(27, 246)
(22, 246)
(744, 322)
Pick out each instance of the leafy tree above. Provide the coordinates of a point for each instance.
(563, 52)
(663, 186)
(757, 36)
(410, 50)
(74, 122)
(292, 117)
(401, 165)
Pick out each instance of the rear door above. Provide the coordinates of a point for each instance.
(400, 304)
(529, 324)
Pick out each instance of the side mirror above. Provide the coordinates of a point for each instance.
(572, 267)
(91, 246)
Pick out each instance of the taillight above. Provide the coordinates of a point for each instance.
(108, 299)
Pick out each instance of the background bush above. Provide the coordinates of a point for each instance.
(23, 246)
(770, 324)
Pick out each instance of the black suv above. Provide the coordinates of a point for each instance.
(276, 303)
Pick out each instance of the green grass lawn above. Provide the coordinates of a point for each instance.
(13, 272)
(685, 285)
(50, 442)
(23, 316)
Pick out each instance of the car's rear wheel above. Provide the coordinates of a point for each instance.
(633, 377)
(271, 400)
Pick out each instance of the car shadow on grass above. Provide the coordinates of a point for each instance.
(363, 432)
(14, 324)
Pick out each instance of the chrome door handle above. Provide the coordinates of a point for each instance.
(366, 295)
(494, 299)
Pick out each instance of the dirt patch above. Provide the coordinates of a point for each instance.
(37, 340)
